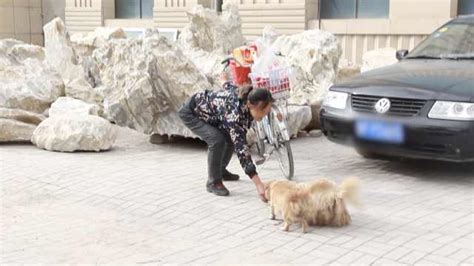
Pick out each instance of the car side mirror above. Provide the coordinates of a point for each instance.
(401, 54)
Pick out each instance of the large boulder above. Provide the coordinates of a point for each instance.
(298, 118)
(68, 105)
(59, 51)
(347, 70)
(209, 32)
(81, 89)
(378, 58)
(24, 51)
(208, 38)
(13, 130)
(314, 56)
(146, 81)
(85, 43)
(21, 115)
(27, 81)
(68, 133)
(17, 125)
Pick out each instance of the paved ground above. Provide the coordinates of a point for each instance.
(143, 203)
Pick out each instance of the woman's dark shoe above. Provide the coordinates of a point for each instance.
(228, 176)
(217, 188)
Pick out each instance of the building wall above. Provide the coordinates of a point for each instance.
(409, 22)
(53, 9)
(172, 13)
(84, 15)
(22, 20)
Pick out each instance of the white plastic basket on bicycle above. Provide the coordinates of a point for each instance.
(277, 81)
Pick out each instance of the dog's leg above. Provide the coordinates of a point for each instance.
(272, 211)
(304, 226)
(286, 226)
(286, 219)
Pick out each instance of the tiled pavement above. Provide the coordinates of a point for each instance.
(143, 203)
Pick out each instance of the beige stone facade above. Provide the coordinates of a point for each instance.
(407, 23)
(22, 20)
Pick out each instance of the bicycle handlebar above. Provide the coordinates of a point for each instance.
(227, 61)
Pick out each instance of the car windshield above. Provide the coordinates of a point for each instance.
(452, 41)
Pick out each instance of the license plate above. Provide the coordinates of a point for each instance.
(380, 131)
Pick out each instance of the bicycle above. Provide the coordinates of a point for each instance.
(272, 132)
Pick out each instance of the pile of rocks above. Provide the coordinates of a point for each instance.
(45, 99)
(65, 96)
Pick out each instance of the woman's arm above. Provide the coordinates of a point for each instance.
(260, 187)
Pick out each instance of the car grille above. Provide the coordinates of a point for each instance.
(399, 106)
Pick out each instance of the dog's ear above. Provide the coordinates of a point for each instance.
(267, 184)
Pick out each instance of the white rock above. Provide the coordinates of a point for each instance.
(17, 124)
(81, 89)
(7, 44)
(233, 25)
(85, 43)
(24, 51)
(68, 133)
(147, 80)
(68, 105)
(315, 133)
(208, 38)
(314, 55)
(27, 82)
(347, 70)
(209, 32)
(315, 121)
(13, 130)
(59, 51)
(378, 58)
(298, 118)
(207, 63)
(21, 116)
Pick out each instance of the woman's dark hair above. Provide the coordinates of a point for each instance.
(261, 97)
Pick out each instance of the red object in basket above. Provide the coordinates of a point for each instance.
(240, 74)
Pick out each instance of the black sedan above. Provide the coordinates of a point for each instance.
(420, 107)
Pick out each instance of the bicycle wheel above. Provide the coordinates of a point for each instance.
(260, 139)
(261, 147)
(284, 153)
(285, 159)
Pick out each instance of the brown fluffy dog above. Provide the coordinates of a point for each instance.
(320, 202)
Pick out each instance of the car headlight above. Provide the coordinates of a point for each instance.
(335, 99)
(452, 111)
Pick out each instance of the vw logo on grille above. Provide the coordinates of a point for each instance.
(382, 106)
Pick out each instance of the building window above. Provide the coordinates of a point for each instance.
(465, 7)
(337, 9)
(134, 8)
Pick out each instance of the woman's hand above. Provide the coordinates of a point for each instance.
(260, 188)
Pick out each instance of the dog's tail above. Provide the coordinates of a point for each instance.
(349, 190)
(321, 185)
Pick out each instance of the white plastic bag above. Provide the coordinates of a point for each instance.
(268, 60)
